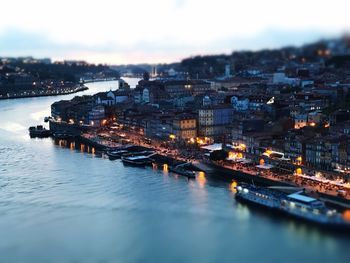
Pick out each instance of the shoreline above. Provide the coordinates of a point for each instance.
(45, 95)
(225, 173)
(100, 80)
(60, 93)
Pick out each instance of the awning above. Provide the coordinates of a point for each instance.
(265, 166)
(212, 147)
(339, 170)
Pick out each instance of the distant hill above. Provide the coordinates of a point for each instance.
(208, 66)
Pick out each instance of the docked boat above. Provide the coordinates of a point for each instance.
(182, 171)
(39, 132)
(138, 160)
(116, 154)
(297, 205)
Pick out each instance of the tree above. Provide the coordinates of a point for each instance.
(146, 76)
(218, 155)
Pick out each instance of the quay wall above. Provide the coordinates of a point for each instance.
(62, 127)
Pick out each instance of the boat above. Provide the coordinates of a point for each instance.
(116, 154)
(39, 132)
(182, 171)
(298, 205)
(138, 160)
(130, 154)
(63, 136)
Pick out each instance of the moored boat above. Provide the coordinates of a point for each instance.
(39, 132)
(182, 171)
(116, 154)
(138, 160)
(298, 205)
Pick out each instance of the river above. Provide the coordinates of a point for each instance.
(63, 205)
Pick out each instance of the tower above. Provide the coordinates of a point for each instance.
(227, 71)
(154, 71)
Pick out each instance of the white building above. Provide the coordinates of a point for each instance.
(96, 116)
(110, 98)
(240, 104)
(281, 78)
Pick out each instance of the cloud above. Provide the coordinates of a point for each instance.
(119, 31)
(17, 42)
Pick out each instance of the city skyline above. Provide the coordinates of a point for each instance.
(161, 31)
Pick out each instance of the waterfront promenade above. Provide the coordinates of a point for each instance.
(44, 93)
(312, 184)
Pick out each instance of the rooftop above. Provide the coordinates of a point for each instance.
(302, 198)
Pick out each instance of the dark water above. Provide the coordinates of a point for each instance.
(62, 205)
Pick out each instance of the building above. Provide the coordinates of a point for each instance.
(213, 121)
(318, 153)
(96, 116)
(111, 98)
(294, 147)
(240, 103)
(159, 126)
(281, 78)
(240, 127)
(179, 88)
(185, 127)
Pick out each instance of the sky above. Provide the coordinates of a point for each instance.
(162, 31)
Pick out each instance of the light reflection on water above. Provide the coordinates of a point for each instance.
(201, 179)
(57, 201)
(12, 127)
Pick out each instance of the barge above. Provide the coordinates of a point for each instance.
(182, 171)
(297, 205)
(39, 132)
(139, 160)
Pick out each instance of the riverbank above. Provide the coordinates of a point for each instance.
(99, 80)
(105, 141)
(22, 96)
(246, 176)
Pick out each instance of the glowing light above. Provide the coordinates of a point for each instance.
(72, 145)
(312, 124)
(235, 155)
(71, 121)
(267, 153)
(232, 155)
(318, 175)
(200, 141)
(233, 186)
(242, 146)
(299, 171)
(165, 168)
(346, 215)
(262, 162)
(172, 136)
(201, 179)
